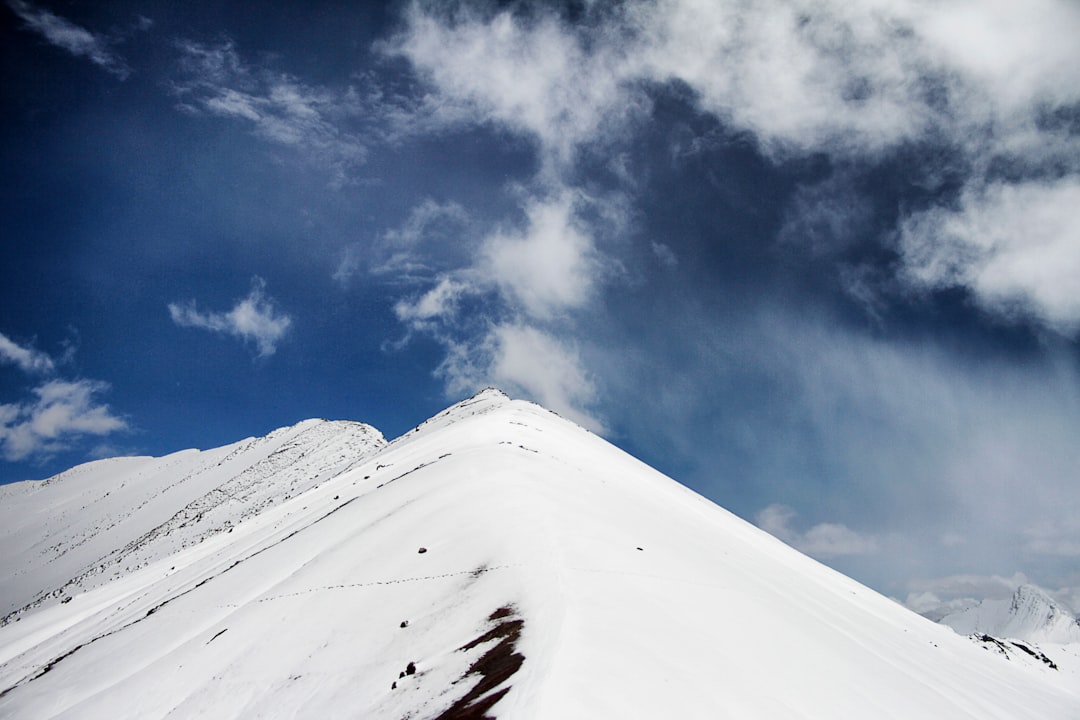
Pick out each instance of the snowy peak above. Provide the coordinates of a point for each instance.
(483, 402)
(496, 562)
(1030, 615)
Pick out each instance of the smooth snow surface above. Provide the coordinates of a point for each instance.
(496, 549)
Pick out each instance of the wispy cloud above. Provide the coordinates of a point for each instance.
(824, 540)
(535, 77)
(70, 37)
(523, 283)
(665, 255)
(318, 121)
(432, 238)
(62, 412)
(26, 359)
(949, 460)
(254, 318)
(440, 303)
(550, 267)
(524, 360)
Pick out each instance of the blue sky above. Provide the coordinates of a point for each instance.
(819, 261)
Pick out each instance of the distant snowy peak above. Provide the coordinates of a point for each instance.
(1030, 615)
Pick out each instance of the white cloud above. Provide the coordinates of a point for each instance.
(550, 267)
(547, 266)
(803, 76)
(822, 541)
(524, 360)
(26, 359)
(1015, 246)
(438, 303)
(73, 38)
(254, 318)
(63, 412)
(280, 109)
(800, 75)
(522, 285)
(533, 76)
(853, 80)
(1022, 54)
(425, 220)
(933, 607)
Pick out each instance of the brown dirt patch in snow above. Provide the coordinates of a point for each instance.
(494, 667)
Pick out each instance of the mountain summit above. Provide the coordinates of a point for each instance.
(1030, 614)
(495, 562)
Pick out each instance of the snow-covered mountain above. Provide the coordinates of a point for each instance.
(1030, 615)
(101, 520)
(497, 561)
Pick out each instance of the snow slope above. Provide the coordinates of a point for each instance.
(100, 520)
(500, 560)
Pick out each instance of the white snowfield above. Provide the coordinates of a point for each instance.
(498, 561)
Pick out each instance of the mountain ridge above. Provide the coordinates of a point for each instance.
(200, 482)
(1029, 615)
(499, 561)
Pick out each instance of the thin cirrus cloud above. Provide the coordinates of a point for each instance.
(60, 413)
(524, 359)
(73, 38)
(946, 461)
(253, 319)
(319, 121)
(414, 252)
